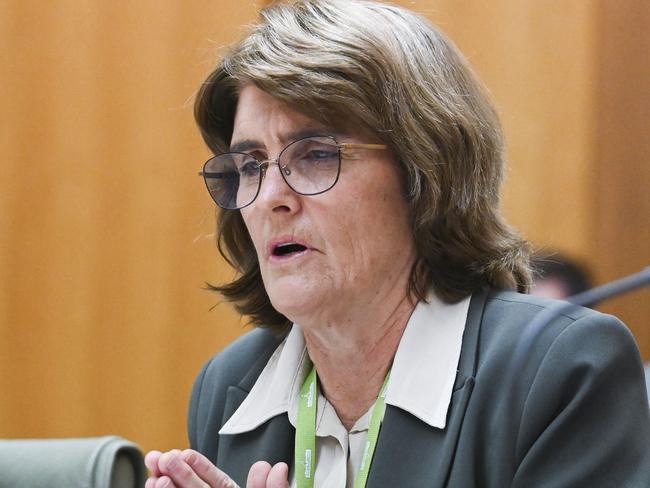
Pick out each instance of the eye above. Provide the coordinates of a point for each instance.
(311, 154)
(249, 169)
(221, 175)
(321, 155)
(316, 154)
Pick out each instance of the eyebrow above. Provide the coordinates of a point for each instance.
(250, 144)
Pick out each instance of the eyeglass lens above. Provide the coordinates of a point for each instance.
(309, 166)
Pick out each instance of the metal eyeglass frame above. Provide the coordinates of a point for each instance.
(264, 165)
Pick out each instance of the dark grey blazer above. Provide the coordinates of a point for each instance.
(580, 420)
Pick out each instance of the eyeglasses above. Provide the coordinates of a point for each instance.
(309, 166)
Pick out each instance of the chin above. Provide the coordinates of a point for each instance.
(298, 296)
(296, 300)
(293, 306)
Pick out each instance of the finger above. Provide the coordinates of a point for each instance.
(207, 471)
(151, 462)
(278, 476)
(162, 482)
(182, 475)
(258, 475)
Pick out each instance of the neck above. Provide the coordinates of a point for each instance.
(352, 360)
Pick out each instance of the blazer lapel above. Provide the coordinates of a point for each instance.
(273, 441)
(411, 453)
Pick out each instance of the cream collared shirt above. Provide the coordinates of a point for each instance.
(421, 382)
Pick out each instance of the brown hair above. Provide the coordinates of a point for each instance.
(386, 70)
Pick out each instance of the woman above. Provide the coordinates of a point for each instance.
(358, 165)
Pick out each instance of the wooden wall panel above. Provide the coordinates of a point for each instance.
(571, 83)
(621, 169)
(536, 59)
(106, 232)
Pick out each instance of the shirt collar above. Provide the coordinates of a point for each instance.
(277, 386)
(421, 379)
(425, 365)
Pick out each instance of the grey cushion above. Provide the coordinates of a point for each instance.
(101, 462)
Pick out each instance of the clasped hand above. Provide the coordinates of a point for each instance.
(190, 469)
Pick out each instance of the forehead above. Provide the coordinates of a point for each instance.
(263, 118)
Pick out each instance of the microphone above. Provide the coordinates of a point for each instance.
(612, 289)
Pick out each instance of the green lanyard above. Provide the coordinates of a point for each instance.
(305, 463)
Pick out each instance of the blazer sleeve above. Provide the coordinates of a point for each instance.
(585, 421)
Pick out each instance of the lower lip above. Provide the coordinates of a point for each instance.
(289, 257)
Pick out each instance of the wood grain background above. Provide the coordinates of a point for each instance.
(106, 231)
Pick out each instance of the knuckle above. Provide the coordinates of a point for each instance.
(190, 456)
(171, 463)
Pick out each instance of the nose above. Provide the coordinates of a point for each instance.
(275, 194)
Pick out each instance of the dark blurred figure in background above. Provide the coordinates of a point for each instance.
(557, 276)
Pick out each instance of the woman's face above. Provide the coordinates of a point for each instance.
(355, 239)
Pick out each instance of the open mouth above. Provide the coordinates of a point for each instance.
(288, 249)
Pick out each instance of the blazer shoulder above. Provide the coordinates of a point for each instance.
(588, 380)
(237, 364)
(509, 324)
(513, 313)
(581, 379)
(518, 303)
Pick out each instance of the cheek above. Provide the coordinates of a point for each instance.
(254, 230)
(370, 232)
